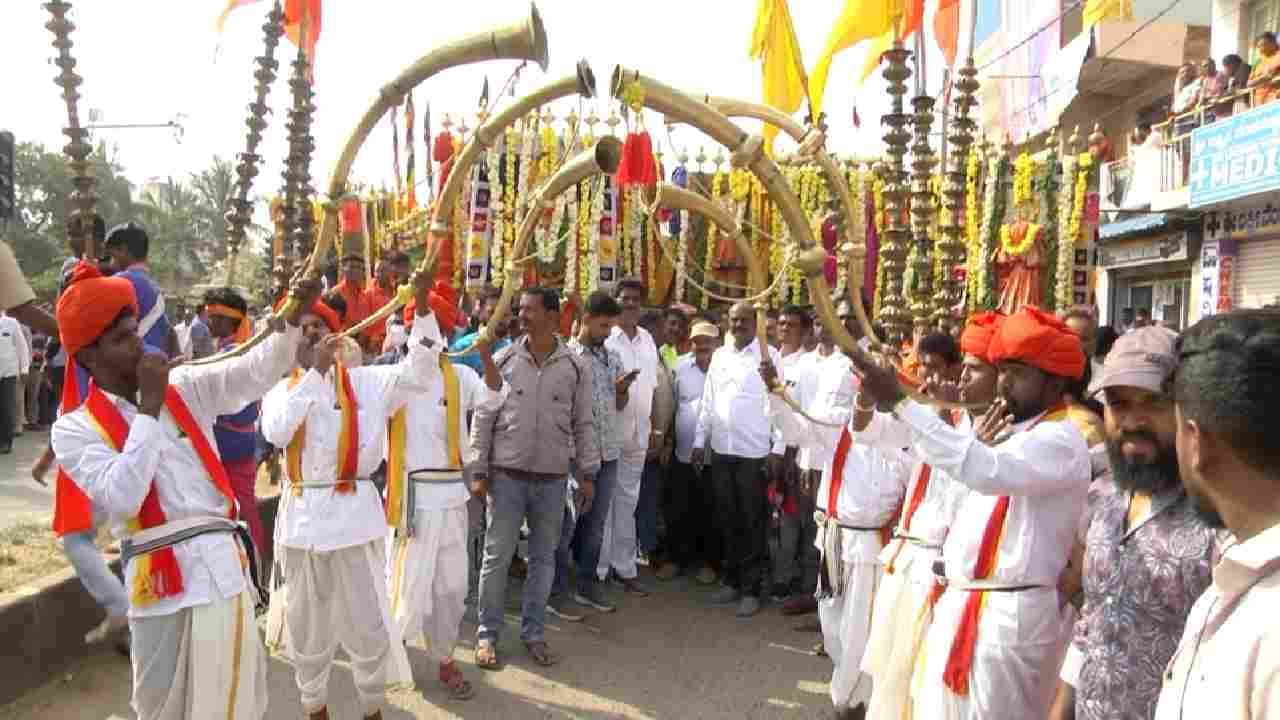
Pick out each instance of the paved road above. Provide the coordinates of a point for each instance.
(20, 497)
(666, 656)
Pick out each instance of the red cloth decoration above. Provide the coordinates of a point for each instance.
(1040, 340)
(325, 313)
(978, 334)
(637, 166)
(917, 497)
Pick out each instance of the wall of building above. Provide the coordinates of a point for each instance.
(1229, 27)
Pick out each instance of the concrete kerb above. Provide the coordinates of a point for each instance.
(43, 623)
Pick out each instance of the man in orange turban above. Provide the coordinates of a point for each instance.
(978, 376)
(1012, 531)
(144, 432)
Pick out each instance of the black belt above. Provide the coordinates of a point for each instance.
(130, 550)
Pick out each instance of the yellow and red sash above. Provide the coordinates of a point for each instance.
(72, 509)
(397, 475)
(960, 660)
(348, 435)
(157, 574)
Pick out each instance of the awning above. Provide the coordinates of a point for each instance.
(1144, 223)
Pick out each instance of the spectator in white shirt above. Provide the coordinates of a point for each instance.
(638, 352)
(15, 358)
(734, 423)
(693, 532)
(795, 326)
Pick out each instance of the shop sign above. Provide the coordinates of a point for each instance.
(1236, 157)
(1217, 265)
(1161, 248)
(1244, 223)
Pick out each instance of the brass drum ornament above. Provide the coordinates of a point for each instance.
(83, 198)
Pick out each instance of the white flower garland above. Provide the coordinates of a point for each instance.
(571, 242)
(977, 265)
(1066, 243)
(682, 255)
(635, 229)
(493, 160)
(593, 248)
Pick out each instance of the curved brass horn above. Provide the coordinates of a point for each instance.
(812, 146)
(525, 40)
(582, 82)
(602, 158)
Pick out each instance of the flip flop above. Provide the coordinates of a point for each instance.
(453, 681)
(541, 653)
(487, 655)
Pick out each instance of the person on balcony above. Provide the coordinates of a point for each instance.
(1263, 77)
(1213, 85)
(1186, 95)
(1237, 72)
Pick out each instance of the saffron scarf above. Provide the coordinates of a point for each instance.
(960, 660)
(917, 497)
(348, 435)
(157, 574)
(397, 432)
(837, 481)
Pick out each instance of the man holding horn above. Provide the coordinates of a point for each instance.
(997, 630)
(140, 446)
(332, 422)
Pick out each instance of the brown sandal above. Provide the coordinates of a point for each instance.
(452, 679)
(487, 655)
(541, 653)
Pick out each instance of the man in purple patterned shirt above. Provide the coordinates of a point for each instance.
(1147, 555)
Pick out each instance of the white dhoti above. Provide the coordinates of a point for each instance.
(846, 619)
(339, 598)
(1015, 658)
(427, 580)
(200, 662)
(898, 628)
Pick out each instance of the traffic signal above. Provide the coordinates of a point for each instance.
(7, 201)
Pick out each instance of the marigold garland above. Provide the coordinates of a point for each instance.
(1015, 248)
(593, 227)
(1023, 169)
(713, 234)
(981, 267)
(682, 256)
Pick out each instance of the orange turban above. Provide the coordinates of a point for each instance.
(443, 304)
(244, 329)
(1041, 340)
(90, 305)
(978, 334)
(326, 313)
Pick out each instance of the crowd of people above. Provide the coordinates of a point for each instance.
(1021, 519)
(1217, 93)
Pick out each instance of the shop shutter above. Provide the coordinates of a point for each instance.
(1257, 273)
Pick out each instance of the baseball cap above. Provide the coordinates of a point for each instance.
(704, 329)
(1143, 358)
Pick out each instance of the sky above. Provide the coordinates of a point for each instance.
(151, 61)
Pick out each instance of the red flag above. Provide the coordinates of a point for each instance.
(295, 12)
(946, 28)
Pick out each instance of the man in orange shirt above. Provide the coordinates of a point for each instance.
(1263, 79)
(354, 290)
(391, 271)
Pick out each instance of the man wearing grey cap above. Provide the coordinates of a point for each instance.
(1148, 556)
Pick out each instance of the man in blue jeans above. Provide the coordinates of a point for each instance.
(610, 390)
(522, 451)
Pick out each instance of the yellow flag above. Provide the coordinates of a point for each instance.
(1095, 11)
(913, 16)
(860, 20)
(774, 41)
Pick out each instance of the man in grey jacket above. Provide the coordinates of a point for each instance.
(522, 453)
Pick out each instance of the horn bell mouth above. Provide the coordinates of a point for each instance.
(538, 37)
(608, 153)
(586, 79)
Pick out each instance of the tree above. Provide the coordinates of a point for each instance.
(38, 230)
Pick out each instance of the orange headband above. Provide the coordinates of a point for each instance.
(243, 330)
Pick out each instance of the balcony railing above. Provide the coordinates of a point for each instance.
(1175, 135)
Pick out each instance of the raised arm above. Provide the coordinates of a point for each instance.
(1047, 459)
(225, 387)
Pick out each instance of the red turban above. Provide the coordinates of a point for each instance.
(978, 334)
(444, 305)
(325, 313)
(90, 305)
(1041, 340)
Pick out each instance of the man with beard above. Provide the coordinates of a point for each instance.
(1226, 413)
(997, 633)
(1142, 524)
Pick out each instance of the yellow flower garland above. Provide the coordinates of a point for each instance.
(1016, 248)
(1023, 169)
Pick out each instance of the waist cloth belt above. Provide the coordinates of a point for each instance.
(831, 563)
(972, 585)
(179, 531)
(425, 476)
(918, 542)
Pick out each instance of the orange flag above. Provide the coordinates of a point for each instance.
(946, 28)
(912, 19)
(293, 15)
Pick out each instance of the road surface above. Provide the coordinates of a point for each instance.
(20, 497)
(670, 655)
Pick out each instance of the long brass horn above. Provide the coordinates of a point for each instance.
(526, 40)
(812, 147)
(582, 82)
(601, 158)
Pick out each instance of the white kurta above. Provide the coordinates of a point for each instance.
(157, 454)
(427, 573)
(901, 617)
(1044, 468)
(333, 553)
(871, 491)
